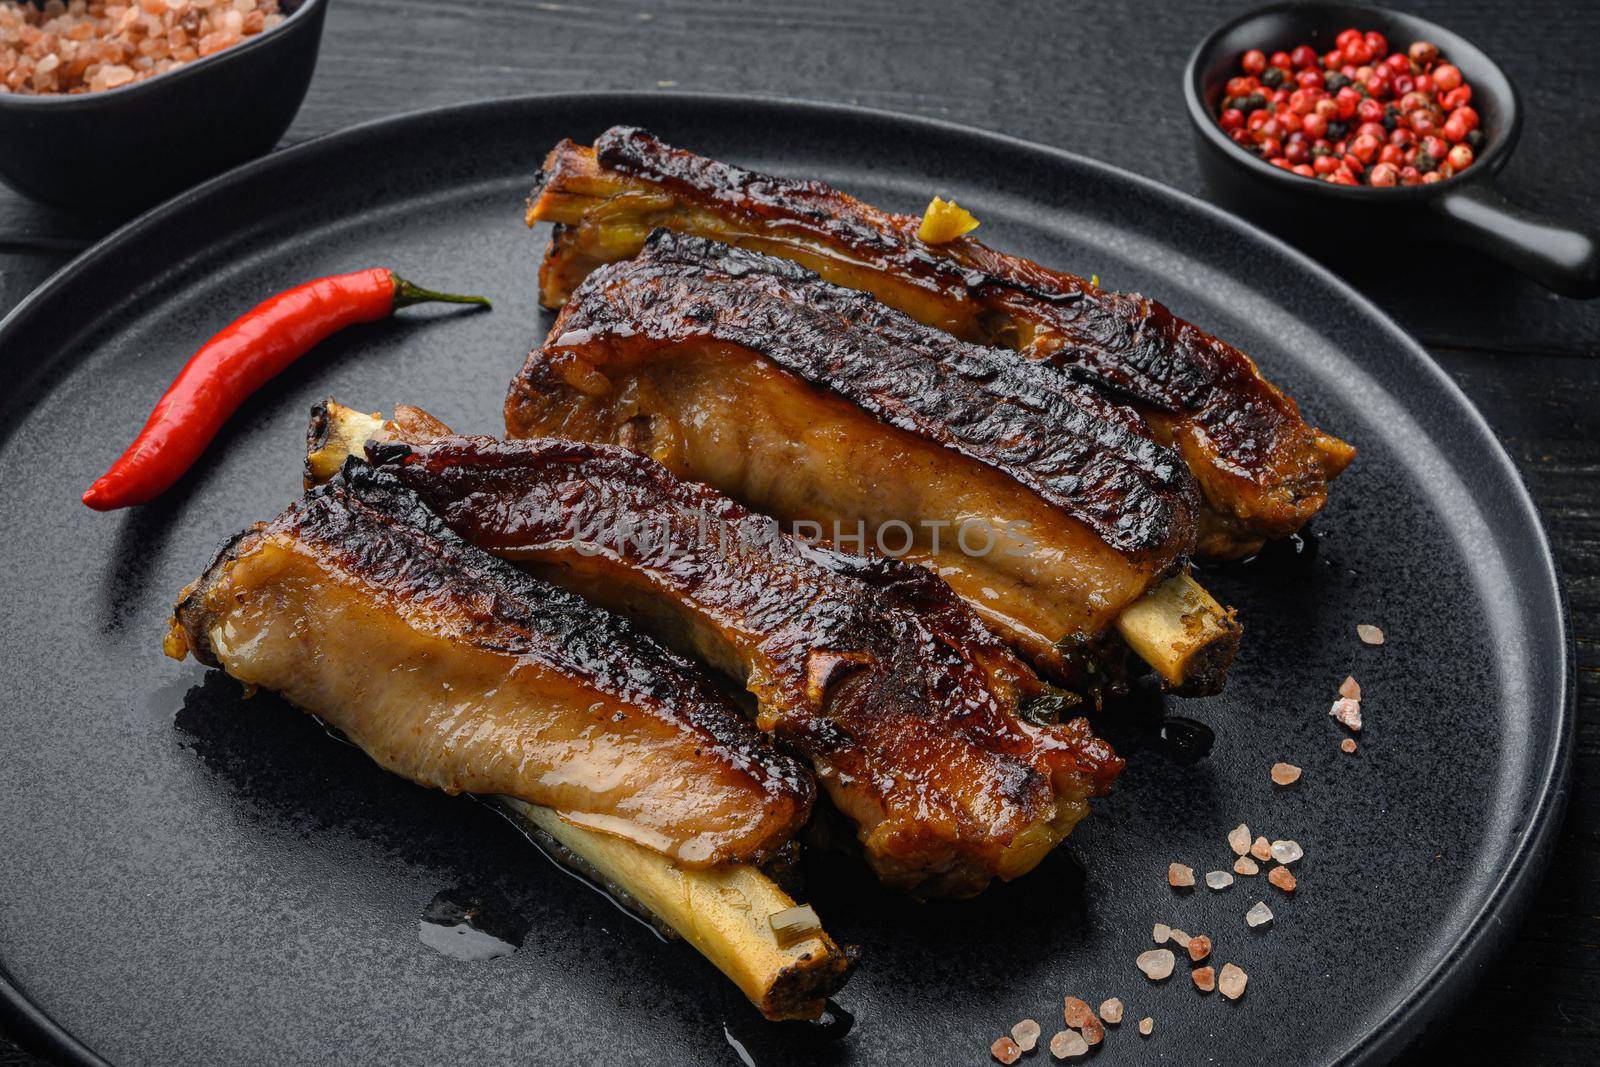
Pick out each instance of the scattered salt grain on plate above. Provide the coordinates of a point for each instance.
(1160, 932)
(1285, 774)
(1005, 1050)
(1231, 981)
(1348, 712)
(1157, 964)
(1026, 1035)
(1205, 979)
(1350, 688)
(1146, 1025)
(1068, 1044)
(1239, 839)
(1077, 1014)
(1180, 938)
(1261, 849)
(1219, 880)
(1348, 745)
(1111, 1010)
(1258, 915)
(1287, 852)
(1179, 876)
(1283, 878)
(1199, 947)
(1246, 866)
(1369, 634)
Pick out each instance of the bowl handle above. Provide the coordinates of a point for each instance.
(1562, 258)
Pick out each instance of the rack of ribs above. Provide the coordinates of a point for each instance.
(1261, 469)
(1053, 511)
(938, 744)
(460, 672)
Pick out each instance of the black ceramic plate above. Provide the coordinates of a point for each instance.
(191, 878)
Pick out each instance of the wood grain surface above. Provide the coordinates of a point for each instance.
(1103, 80)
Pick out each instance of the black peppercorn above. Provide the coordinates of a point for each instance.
(1273, 77)
(1475, 138)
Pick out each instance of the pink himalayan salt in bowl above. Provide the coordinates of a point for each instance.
(109, 107)
(77, 46)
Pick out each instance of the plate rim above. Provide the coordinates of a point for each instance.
(1487, 932)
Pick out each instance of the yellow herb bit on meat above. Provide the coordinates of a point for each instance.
(944, 221)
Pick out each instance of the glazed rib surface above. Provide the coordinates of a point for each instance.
(909, 710)
(459, 672)
(1049, 508)
(1263, 471)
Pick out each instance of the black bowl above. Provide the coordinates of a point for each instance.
(112, 153)
(1466, 209)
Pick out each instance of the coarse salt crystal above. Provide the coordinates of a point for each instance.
(1076, 1013)
(1146, 1025)
(1231, 981)
(1068, 1044)
(94, 45)
(1259, 915)
(1347, 711)
(1111, 1010)
(1246, 866)
(1157, 963)
(1350, 688)
(1180, 938)
(1219, 880)
(1369, 634)
(1026, 1034)
(1239, 839)
(1287, 852)
(1179, 876)
(1348, 745)
(1005, 1050)
(1285, 774)
(1283, 878)
(1205, 979)
(1160, 932)
(1260, 849)
(1199, 947)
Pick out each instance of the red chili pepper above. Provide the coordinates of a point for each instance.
(247, 354)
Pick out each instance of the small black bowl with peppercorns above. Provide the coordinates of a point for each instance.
(1327, 121)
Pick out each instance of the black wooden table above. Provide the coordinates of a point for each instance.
(1102, 80)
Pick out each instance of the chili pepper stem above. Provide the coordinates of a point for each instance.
(406, 294)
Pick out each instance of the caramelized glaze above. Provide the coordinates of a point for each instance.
(459, 672)
(908, 708)
(1263, 471)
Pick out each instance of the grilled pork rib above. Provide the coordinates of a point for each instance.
(909, 709)
(457, 671)
(1049, 508)
(1263, 471)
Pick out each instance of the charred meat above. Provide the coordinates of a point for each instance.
(457, 671)
(1049, 508)
(937, 743)
(1262, 470)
